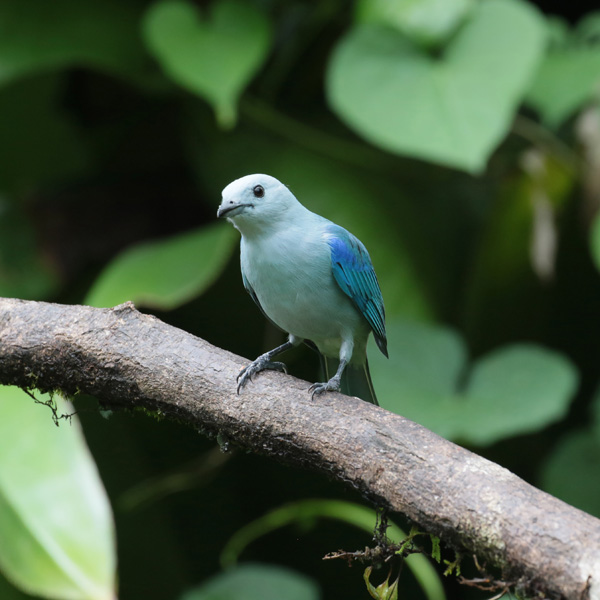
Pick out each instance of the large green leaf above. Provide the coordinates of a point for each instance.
(513, 390)
(454, 108)
(166, 273)
(569, 75)
(214, 57)
(38, 35)
(256, 582)
(55, 520)
(427, 22)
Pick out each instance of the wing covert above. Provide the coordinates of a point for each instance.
(353, 271)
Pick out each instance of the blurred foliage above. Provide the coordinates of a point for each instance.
(458, 139)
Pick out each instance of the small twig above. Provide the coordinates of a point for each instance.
(51, 404)
(502, 593)
(487, 582)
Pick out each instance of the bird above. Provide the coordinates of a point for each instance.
(311, 278)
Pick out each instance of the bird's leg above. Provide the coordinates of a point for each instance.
(333, 385)
(264, 361)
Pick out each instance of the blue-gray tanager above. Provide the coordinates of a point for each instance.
(311, 278)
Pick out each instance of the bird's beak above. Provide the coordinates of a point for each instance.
(227, 207)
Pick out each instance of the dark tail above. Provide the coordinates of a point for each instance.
(356, 379)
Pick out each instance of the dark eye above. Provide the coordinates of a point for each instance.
(258, 191)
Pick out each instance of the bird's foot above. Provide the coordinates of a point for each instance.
(262, 363)
(333, 385)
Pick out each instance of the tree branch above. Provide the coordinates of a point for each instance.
(128, 359)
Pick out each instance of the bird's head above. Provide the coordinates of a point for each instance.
(256, 202)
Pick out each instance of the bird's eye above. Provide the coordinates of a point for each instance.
(258, 191)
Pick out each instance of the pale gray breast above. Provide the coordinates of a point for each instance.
(291, 275)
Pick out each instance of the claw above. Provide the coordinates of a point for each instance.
(262, 363)
(333, 385)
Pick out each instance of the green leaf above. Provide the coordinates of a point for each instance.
(569, 74)
(55, 520)
(571, 472)
(385, 590)
(36, 35)
(513, 390)
(166, 273)
(427, 22)
(453, 109)
(214, 57)
(256, 582)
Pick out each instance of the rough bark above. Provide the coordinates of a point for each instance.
(126, 358)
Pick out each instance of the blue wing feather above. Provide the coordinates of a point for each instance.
(353, 271)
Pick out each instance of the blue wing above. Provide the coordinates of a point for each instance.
(354, 273)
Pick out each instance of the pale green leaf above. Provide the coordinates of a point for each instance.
(453, 109)
(213, 56)
(256, 582)
(55, 520)
(166, 273)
